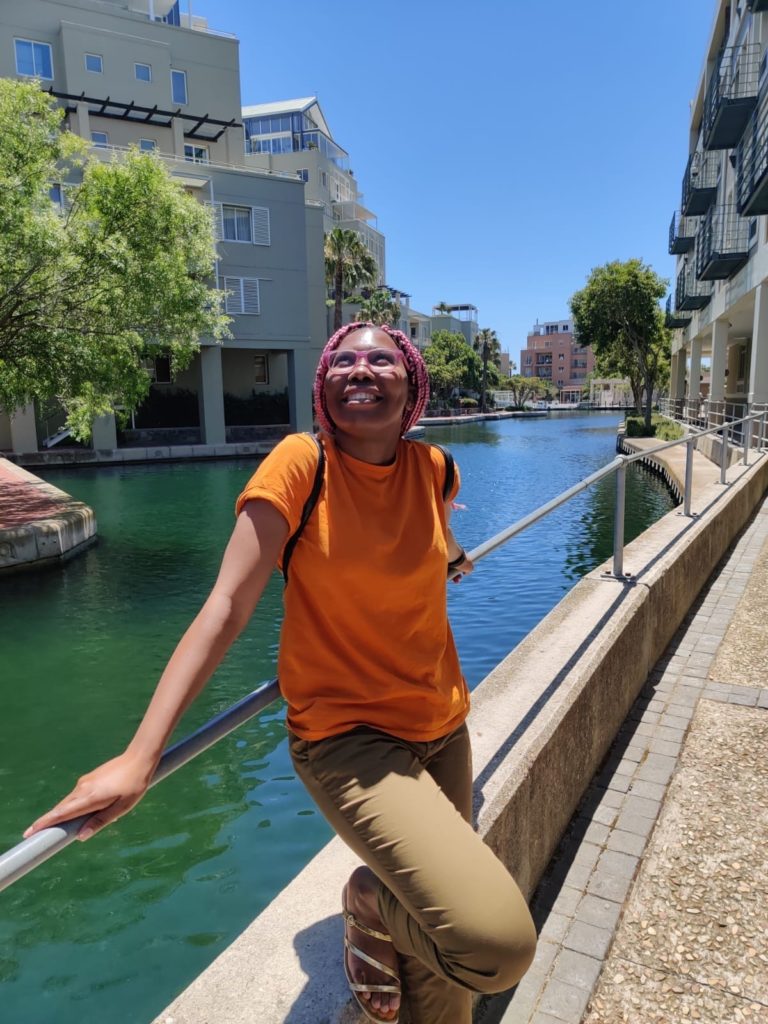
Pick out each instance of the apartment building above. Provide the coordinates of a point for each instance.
(458, 318)
(145, 73)
(553, 353)
(719, 307)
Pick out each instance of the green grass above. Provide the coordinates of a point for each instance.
(662, 429)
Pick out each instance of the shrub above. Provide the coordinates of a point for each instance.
(662, 429)
(468, 403)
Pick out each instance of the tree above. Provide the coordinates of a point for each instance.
(619, 315)
(487, 344)
(527, 389)
(380, 308)
(443, 309)
(348, 265)
(94, 287)
(452, 364)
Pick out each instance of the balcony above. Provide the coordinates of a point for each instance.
(682, 234)
(675, 318)
(691, 293)
(723, 243)
(700, 183)
(731, 96)
(752, 164)
(758, 5)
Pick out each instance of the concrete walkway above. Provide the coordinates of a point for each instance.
(655, 907)
(39, 524)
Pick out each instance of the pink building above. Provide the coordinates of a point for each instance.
(553, 354)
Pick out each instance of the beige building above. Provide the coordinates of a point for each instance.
(141, 73)
(720, 233)
(553, 353)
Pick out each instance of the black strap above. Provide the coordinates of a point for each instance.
(309, 505)
(450, 470)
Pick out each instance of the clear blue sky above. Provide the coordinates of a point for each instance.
(507, 147)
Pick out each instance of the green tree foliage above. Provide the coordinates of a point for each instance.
(348, 265)
(487, 345)
(526, 389)
(89, 293)
(380, 308)
(452, 364)
(618, 314)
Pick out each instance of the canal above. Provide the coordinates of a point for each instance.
(109, 931)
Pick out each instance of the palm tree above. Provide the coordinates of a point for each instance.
(443, 308)
(487, 344)
(348, 265)
(380, 308)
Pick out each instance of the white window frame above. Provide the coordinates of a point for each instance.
(185, 101)
(35, 73)
(99, 58)
(303, 174)
(191, 156)
(150, 148)
(100, 145)
(140, 64)
(243, 296)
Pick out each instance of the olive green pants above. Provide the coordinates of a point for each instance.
(458, 920)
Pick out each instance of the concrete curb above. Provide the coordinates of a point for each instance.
(68, 530)
(541, 724)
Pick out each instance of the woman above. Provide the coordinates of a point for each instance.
(376, 699)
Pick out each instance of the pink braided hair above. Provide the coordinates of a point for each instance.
(415, 367)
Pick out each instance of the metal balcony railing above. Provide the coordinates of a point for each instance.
(682, 233)
(731, 96)
(723, 243)
(752, 163)
(691, 293)
(700, 181)
(675, 318)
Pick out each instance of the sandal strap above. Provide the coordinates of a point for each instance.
(351, 921)
(373, 962)
(355, 987)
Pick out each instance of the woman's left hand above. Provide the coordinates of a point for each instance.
(459, 569)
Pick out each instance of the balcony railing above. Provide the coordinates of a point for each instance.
(723, 243)
(700, 183)
(675, 318)
(758, 5)
(691, 293)
(731, 96)
(752, 164)
(682, 234)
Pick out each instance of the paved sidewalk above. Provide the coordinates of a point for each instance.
(589, 886)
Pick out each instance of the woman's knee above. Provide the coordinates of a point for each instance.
(497, 956)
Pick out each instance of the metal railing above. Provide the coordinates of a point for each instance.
(700, 181)
(734, 82)
(691, 292)
(682, 233)
(722, 244)
(30, 853)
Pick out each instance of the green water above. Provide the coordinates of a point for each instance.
(109, 931)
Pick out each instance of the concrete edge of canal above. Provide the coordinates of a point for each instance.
(40, 525)
(542, 723)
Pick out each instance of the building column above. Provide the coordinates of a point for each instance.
(757, 386)
(104, 433)
(24, 429)
(211, 395)
(83, 121)
(719, 360)
(301, 371)
(694, 374)
(677, 375)
(177, 130)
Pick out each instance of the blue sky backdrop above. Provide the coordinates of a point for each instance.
(507, 147)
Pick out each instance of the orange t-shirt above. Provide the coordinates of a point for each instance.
(365, 637)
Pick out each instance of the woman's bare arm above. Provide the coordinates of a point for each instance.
(115, 787)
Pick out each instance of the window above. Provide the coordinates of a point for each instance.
(162, 370)
(143, 72)
(179, 86)
(242, 295)
(197, 154)
(260, 369)
(100, 139)
(147, 145)
(323, 179)
(303, 173)
(237, 223)
(94, 63)
(565, 328)
(34, 59)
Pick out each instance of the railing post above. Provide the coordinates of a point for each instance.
(724, 456)
(689, 447)
(618, 522)
(747, 428)
(762, 430)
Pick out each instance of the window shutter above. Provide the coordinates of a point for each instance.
(251, 295)
(234, 300)
(218, 219)
(260, 221)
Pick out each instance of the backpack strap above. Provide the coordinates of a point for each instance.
(309, 505)
(450, 470)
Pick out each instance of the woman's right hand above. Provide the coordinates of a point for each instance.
(107, 793)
